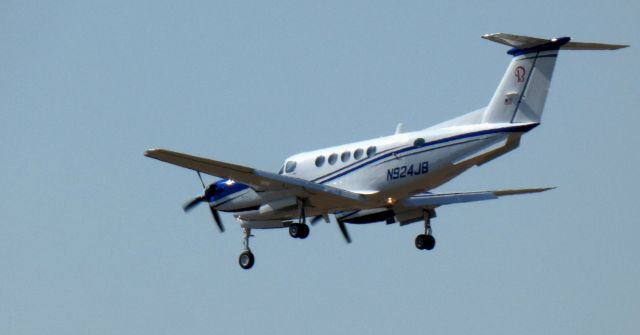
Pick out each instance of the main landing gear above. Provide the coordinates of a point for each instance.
(246, 258)
(426, 241)
(300, 229)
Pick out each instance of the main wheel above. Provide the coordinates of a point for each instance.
(420, 241)
(294, 230)
(303, 231)
(425, 242)
(246, 260)
(430, 242)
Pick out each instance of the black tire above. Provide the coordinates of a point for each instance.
(420, 241)
(429, 242)
(294, 230)
(303, 231)
(246, 260)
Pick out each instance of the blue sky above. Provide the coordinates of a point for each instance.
(93, 239)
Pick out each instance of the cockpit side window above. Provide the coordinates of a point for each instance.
(290, 166)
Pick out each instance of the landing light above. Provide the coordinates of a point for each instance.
(391, 201)
(229, 182)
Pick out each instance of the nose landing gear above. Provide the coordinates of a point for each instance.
(246, 258)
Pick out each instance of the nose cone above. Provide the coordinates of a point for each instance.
(225, 188)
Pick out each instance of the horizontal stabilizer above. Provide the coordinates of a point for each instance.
(526, 42)
(435, 200)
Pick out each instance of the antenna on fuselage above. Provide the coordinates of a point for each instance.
(399, 128)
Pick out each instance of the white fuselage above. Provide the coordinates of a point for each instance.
(392, 167)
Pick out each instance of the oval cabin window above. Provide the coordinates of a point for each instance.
(358, 154)
(345, 156)
(371, 151)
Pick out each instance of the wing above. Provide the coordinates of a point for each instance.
(434, 200)
(321, 196)
(412, 209)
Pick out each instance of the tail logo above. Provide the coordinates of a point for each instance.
(520, 72)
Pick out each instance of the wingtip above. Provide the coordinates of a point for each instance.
(150, 152)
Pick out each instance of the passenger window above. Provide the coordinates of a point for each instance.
(319, 161)
(345, 156)
(418, 142)
(358, 154)
(371, 151)
(290, 166)
(333, 158)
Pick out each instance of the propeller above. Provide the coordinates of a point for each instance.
(341, 225)
(315, 219)
(344, 231)
(208, 193)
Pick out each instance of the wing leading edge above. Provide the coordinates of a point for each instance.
(319, 195)
(434, 200)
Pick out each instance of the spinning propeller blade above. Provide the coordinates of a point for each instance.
(208, 193)
(315, 219)
(343, 230)
(216, 218)
(192, 203)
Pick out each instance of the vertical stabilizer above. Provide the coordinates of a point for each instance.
(523, 90)
(521, 95)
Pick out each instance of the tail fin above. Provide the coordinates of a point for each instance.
(521, 95)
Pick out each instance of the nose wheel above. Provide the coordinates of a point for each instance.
(246, 259)
(426, 241)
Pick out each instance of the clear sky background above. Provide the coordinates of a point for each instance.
(93, 239)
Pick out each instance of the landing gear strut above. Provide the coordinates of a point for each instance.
(300, 229)
(246, 258)
(426, 241)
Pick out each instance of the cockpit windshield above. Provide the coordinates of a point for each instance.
(290, 166)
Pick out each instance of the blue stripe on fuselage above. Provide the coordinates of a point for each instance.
(512, 129)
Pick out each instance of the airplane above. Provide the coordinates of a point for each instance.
(387, 179)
